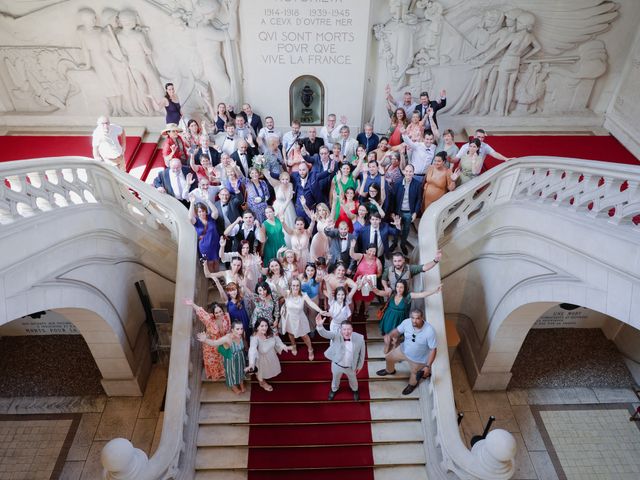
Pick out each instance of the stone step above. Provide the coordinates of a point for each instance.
(380, 473)
(214, 413)
(236, 457)
(401, 431)
(223, 435)
(393, 473)
(402, 370)
(390, 390)
(221, 475)
(222, 458)
(404, 454)
(395, 410)
(213, 392)
(375, 351)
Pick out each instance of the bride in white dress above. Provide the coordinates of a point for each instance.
(283, 204)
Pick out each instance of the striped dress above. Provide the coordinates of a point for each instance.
(234, 363)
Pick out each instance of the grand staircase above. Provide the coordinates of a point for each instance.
(295, 432)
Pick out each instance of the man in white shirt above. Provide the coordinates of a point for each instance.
(291, 137)
(418, 349)
(485, 149)
(245, 228)
(267, 132)
(422, 153)
(228, 141)
(205, 193)
(109, 143)
(330, 130)
(346, 352)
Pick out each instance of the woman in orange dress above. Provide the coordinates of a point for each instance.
(437, 181)
(217, 325)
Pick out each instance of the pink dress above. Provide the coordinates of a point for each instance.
(365, 268)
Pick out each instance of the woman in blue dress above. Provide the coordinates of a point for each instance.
(208, 236)
(171, 104)
(237, 308)
(311, 287)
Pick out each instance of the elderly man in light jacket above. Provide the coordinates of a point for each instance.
(346, 352)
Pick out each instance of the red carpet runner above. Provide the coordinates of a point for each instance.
(295, 432)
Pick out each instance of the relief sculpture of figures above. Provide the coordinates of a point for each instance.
(506, 58)
(515, 66)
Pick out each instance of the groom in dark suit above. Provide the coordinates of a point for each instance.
(346, 352)
(309, 185)
(339, 243)
(377, 233)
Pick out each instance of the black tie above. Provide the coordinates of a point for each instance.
(230, 138)
(347, 339)
(269, 131)
(375, 240)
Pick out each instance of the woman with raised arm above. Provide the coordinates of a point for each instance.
(415, 129)
(263, 353)
(231, 347)
(470, 164)
(339, 310)
(251, 263)
(345, 208)
(320, 242)
(369, 268)
(170, 102)
(283, 205)
(293, 319)
(192, 135)
(235, 274)
(295, 156)
(311, 286)
(207, 231)
(273, 233)
(217, 324)
(300, 239)
(265, 305)
(398, 306)
(235, 183)
(361, 220)
(289, 260)
(374, 200)
(398, 123)
(276, 277)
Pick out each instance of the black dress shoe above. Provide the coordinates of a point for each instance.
(356, 395)
(332, 395)
(408, 389)
(384, 373)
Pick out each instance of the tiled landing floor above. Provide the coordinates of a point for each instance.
(590, 441)
(34, 447)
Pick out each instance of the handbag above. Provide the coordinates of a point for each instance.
(380, 312)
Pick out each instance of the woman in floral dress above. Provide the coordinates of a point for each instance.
(257, 194)
(217, 325)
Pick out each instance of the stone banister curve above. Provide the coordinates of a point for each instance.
(597, 191)
(34, 187)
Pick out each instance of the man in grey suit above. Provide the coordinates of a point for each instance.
(346, 352)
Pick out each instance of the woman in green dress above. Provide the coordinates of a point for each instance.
(231, 347)
(273, 233)
(397, 308)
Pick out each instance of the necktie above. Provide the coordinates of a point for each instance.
(179, 180)
(375, 240)
(344, 147)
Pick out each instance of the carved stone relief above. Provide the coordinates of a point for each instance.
(524, 57)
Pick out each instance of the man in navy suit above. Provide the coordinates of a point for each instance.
(423, 107)
(407, 198)
(176, 180)
(251, 118)
(206, 151)
(377, 233)
(309, 185)
(367, 138)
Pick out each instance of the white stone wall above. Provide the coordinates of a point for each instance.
(624, 110)
(58, 64)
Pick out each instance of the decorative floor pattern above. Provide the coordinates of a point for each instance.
(591, 442)
(34, 447)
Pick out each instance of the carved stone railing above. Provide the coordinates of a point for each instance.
(40, 186)
(595, 191)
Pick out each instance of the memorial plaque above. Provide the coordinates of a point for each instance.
(287, 39)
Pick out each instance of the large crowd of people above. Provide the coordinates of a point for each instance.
(301, 230)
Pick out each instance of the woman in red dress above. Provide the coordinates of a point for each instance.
(368, 271)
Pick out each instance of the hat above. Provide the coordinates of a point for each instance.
(171, 127)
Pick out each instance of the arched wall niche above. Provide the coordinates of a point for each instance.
(306, 101)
